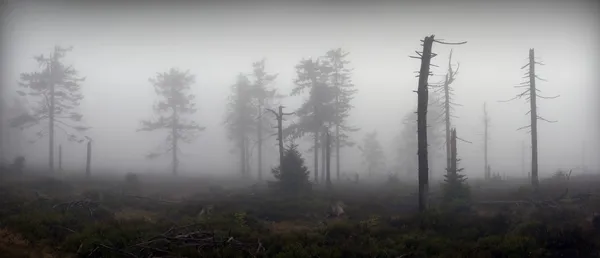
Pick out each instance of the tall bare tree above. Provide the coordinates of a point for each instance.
(531, 95)
(448, 93)
(174, 105)
(422, 103)
(56, 90)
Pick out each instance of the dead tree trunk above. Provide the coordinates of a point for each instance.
(453, 166)
(423, 98)
(88, 161)
(485, 141)
(175, 141)
(534, 140)
(279, 117)
(532, 94)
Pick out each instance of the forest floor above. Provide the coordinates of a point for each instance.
(68, 216)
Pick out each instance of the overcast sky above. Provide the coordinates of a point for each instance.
(118, 47)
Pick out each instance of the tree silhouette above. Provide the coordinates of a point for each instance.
(56, 91)
(240, 119)
(341, 81)
(318, 110)
(372, 153)
(292, 175)
(263, 97)
(175, 102)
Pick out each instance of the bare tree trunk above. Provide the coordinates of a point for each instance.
(485, 140)
(316, 156)
(534, 117)
(323, 154)
(337, 152)
(59, 157)
(328, 158)
(175, 142)
(280, 135)
(242, 157)
(259, 139)
(88, 162)
(51, 121)
(423, 98)
(453, 166)
(447, 118)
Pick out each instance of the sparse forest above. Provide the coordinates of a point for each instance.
(413, 201)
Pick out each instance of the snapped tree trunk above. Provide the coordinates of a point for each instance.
(534, 117)
(423, 97)
(447, 120)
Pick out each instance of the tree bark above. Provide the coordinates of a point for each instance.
(534, 139)
(423, 98)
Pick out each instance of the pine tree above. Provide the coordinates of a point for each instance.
(292, 175)
(175, 103)
(57, 91)
(455, 186)
(263, 97)
(318, 110)
(373, 155)
(340, 78)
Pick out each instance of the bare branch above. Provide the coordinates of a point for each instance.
(449, 43)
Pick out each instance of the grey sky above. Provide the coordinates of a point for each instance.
(118, 47)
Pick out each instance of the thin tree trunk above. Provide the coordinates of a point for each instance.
(175, 142)
(447, 118)
(88, 162)
(337, 152)
(328, 158)
(453, 166)
(534, 139)
(51, 120)
(485, 138)
(259, 139)
(59, 157)
(243, 157)
(280, 135)
(316, 156)
(423, 98)
(323, 155)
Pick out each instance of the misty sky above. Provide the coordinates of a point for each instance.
(118, 47)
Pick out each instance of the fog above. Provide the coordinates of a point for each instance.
(118, 47)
